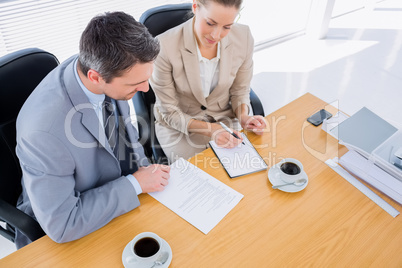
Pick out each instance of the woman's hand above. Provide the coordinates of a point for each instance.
(254, 123)
(221, 137)
(224, 139)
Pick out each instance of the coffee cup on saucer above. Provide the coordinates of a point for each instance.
(145, 250)
(288, 176)
(290, 170)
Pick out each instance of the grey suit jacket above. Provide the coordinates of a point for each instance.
(177, 84)
(72, 182)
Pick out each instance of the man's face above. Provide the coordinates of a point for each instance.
(133, 80)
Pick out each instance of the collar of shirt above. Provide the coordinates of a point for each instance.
(202, 59)
(95, 99)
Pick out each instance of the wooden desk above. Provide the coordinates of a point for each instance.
(330, 223)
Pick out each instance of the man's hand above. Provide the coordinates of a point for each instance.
(153, 178)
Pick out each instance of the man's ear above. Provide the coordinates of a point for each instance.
(94, 76)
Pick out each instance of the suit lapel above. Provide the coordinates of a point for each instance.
(191, 63)
(81, 105)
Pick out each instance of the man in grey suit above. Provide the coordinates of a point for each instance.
(73, 180)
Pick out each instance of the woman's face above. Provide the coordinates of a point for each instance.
(212, 23)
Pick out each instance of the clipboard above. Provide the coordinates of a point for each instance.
(241, 160)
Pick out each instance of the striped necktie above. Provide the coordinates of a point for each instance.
(111, 125)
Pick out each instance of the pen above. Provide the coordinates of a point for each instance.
(231, 132)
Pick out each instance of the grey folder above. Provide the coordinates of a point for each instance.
(364, 130)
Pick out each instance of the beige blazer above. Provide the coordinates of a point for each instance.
(177, 84)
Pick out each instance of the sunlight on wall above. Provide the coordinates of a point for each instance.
(308, 55)
(271, 18)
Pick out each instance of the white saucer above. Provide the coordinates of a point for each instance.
(273, 177)
(166, 246)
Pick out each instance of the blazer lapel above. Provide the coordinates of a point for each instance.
(191, 63)
(81, 105)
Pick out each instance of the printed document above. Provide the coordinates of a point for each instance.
(196, 196)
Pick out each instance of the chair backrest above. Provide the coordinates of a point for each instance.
(162, 18)
(158, 20)
(20, 73)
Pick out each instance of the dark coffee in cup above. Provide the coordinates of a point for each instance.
(290, 168)
(146, 247)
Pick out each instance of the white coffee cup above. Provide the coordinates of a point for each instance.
(145, 248)
(289, 170)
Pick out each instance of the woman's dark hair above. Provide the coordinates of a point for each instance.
(113, 42)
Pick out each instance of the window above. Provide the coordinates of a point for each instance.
(56, 25)
(342, 7)
(271, 19)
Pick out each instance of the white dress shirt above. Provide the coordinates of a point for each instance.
(209, 71)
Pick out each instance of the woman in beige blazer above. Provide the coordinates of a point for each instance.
(202, 77)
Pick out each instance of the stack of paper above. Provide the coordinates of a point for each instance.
(372, 174)
(372, 143)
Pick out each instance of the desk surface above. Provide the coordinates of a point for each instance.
(330, 223)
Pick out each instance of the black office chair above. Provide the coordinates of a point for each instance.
(158, 20)
(20, 73)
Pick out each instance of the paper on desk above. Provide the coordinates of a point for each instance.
(372, 174)
(196, 196)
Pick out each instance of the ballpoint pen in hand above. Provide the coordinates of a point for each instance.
(231, 132)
